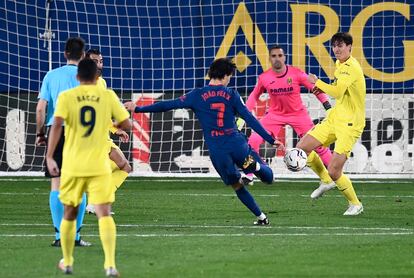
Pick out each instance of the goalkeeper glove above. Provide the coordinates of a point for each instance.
(326, 105)
(240, 123)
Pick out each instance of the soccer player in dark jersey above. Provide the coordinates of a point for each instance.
(215, 106)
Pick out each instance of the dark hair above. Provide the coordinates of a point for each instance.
(87, 70)
(341, 37)
(220, 68)
(92, 51)
(275, 47)
(74, 48)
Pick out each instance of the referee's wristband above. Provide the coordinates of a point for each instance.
(326, 105)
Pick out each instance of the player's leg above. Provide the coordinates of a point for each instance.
(55, 205)
(319, 135)
(255, 165)
(343, 147)
(122, 169)
(102, 196)
(273, 124)
(71, 191)
(302, 123)
(225, 167)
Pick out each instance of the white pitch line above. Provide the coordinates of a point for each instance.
(217, 180)
(218, 195)
(226, 227)
(226, 235)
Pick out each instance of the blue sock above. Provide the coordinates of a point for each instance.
(81, 215)
(247, 199)
(56, 209)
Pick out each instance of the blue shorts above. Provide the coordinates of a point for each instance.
(231, 155)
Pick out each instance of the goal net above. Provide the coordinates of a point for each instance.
(159, 50)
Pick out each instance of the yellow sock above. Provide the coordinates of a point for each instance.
(315, 163)
(344, 184)
(118, 177)
(107, 233)
(67, 240)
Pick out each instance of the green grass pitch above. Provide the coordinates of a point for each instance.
(198, 228)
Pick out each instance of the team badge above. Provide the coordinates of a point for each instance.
(289, 80)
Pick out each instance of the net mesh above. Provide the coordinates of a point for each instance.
(156, 51)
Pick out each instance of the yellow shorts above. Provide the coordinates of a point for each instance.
(99, 189)
(344, 136)
(111, 145)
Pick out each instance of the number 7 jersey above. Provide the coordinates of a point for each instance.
(86, 110)
(215, 107)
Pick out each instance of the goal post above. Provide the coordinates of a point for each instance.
(159, 50)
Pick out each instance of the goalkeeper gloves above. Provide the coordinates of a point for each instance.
(240, 123)
(326, 105)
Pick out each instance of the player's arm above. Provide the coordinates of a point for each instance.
(251, 120)
(40, 122)
(161, 106)
(254, 96)
(54, 136)
(44, 98)
(338, 88)
(119, 113)
(321, 96)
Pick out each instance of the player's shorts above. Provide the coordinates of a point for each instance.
(112, 145)
(99, 189)
(57, 156)
(230, 156)
(343, 134)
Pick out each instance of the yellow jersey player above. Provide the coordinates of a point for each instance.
(119, 163)
(86, 110)
(344, 122)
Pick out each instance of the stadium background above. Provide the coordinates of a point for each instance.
(159, 50)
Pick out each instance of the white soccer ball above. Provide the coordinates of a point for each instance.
(295, 159)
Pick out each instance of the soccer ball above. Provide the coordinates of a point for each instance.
(295, 159)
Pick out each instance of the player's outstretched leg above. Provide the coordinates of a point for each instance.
(247, 199)
(325, 156)
(261, 169)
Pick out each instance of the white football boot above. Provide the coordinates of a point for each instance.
(323, 187)
(354, 209)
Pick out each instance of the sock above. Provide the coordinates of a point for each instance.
(118, 177)
(56, 209)
(247, 199)
(344, 184)
(67, 240)
(81, 215)
(325, 155)
(262, 216)
(107, 233)
(315, 163)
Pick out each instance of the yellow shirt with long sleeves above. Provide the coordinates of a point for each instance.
(349, 91)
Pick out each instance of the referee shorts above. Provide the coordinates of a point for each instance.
(57, 156)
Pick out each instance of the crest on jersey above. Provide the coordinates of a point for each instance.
(289, 80)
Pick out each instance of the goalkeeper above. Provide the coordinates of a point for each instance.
(215, 106)
(345, 122)
(282, 82)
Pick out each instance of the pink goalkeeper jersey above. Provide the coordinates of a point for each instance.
(283, 90)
